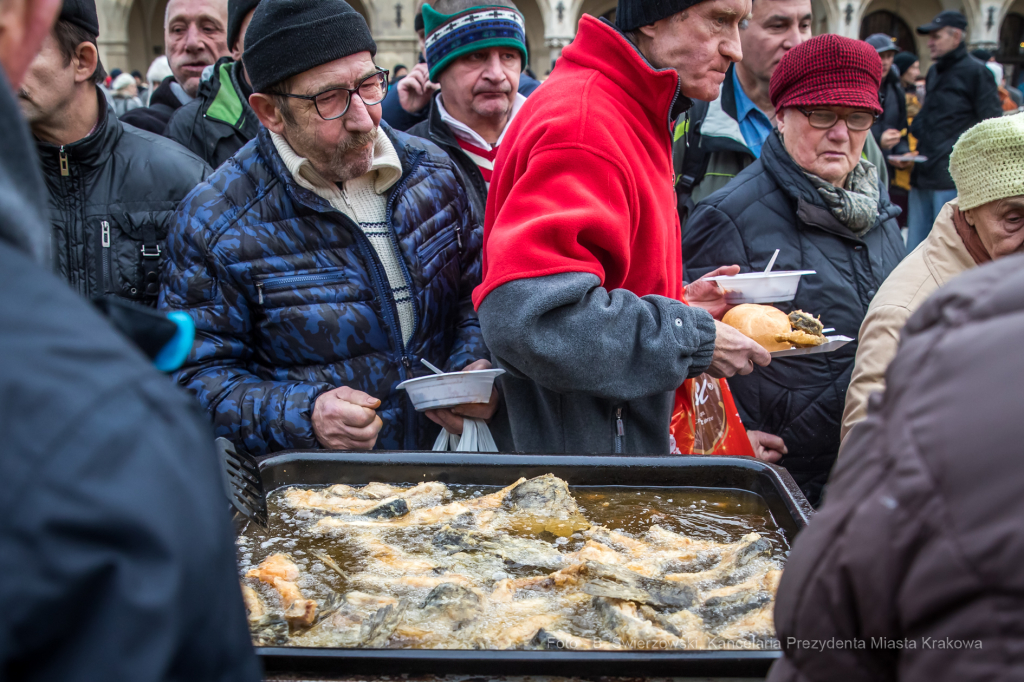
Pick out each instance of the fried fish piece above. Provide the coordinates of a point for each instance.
(280, 572)
(619, 583)
(804, 322)
(457, 603)
(381, 624)
(800, 339)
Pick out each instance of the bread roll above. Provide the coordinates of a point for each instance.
(761, 323)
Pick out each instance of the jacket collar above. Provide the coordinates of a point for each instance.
(944, 252)
(720, 129)
(303, 194)
(602, 47)
(224, 96)
(811, 207)
(467, 134)
(89, 152)
(949, 59)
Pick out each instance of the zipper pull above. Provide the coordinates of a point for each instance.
(458, 238)
(105, 234)
(407, 362)
(619, 428)
(64, 163)
(259, 290)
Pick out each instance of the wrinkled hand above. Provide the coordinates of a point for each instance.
(416, 89)
(346, 419)
(767, 447)
(708, 295)
(451, 418)
(890, 138)
(735, 353)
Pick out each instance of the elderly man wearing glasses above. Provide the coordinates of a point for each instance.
(326, 258)
(814, 197)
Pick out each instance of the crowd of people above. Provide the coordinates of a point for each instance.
(326, 226)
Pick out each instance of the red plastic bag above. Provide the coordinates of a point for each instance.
(705, 420)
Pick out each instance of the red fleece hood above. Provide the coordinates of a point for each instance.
(584, 180)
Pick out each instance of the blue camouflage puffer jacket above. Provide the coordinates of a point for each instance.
(288, 296)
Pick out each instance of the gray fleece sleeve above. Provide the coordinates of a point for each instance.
(570, 335)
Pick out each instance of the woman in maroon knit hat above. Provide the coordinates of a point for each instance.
(813, 196)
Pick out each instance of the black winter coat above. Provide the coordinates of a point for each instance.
(894, 114)
(772, 205)
(162, 106)
(961, 93)
(116, 551)
(219, 121)
(920, 542)
(466, 170)
(112, 197)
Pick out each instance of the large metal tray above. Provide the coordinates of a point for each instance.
(773, 484)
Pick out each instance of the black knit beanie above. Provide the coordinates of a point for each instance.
(81, 13)
(289, 37)
(632, 14)
(237, 9)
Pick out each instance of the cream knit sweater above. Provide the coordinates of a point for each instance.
(364, 200)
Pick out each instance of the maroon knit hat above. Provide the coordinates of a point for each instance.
(828, 70)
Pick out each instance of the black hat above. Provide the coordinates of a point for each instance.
(418, 24)
(950, 18)
(81, 13)
(904, 60)
(982, 54)
(237, 9)
(632, 14)
(289, 37)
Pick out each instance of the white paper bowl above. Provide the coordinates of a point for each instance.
(436, 391)
(758, 287)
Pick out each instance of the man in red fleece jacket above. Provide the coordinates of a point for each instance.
(582, 295)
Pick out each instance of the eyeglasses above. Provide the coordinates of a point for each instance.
(334, 102)
(824, 119)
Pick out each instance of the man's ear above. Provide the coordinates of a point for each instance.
(86, 60)
(969, 216)
(780, 121)
(267, 112)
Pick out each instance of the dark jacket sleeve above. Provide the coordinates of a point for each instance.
(123, 551)
(571, 335)
(260, 415)
(986, 97)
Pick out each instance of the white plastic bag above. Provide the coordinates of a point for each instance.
(476, 437)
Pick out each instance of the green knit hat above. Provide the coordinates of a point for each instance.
(987, 163)
(450, 36)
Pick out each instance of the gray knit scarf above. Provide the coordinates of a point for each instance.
(856, 204)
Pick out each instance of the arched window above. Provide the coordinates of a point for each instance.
(1011, 47)
(889, 23)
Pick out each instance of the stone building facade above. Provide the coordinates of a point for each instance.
(132, 30)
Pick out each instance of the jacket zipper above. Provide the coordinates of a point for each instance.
(281, 283)
(410, 412)
(620, 430)
(64, 171)
(105, 243)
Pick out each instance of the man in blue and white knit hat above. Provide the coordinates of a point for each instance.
(476, 52)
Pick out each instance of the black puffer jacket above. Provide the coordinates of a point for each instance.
(438, 132)
(115, 543)
(894, 113)
(961, 93)
(772, 205)
(112, 195)
(219, 121)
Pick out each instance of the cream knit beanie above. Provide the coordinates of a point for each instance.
(987, 163)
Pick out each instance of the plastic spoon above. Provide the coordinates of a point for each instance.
(771, 263)
(429, 366)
